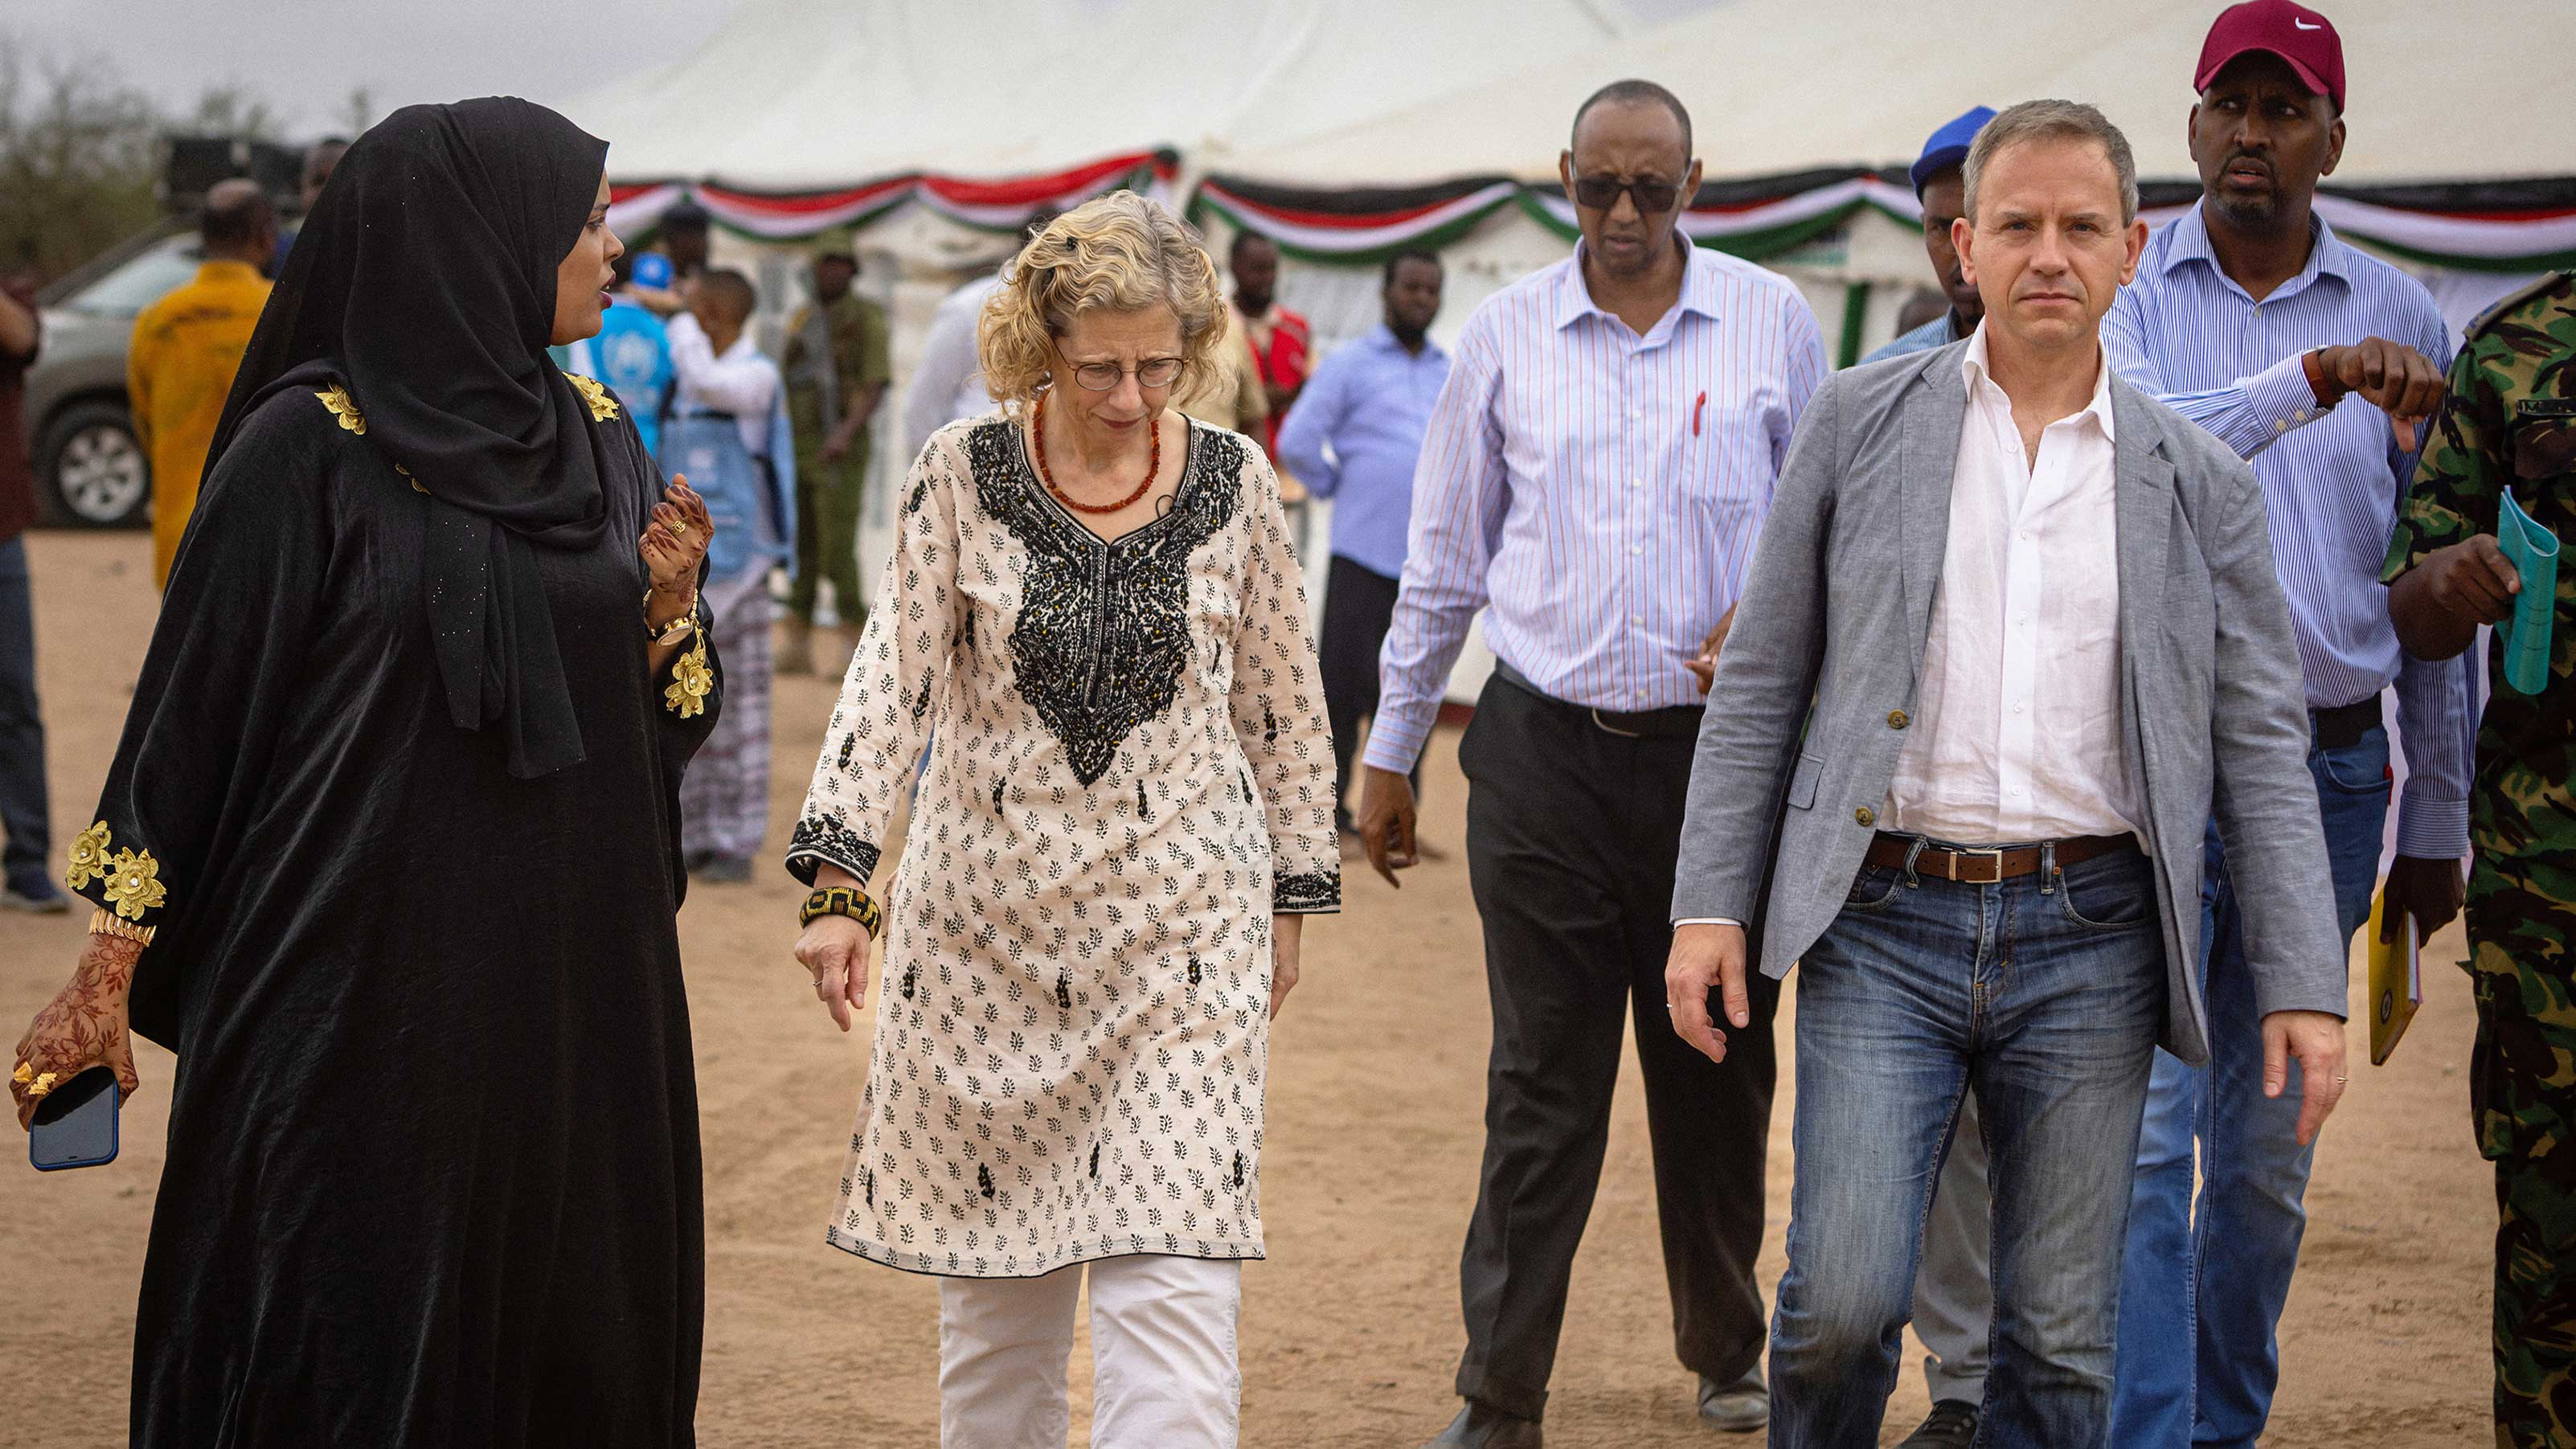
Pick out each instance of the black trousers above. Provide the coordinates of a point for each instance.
(1571, 837)
(1358, 603)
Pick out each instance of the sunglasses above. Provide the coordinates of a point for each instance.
(1600, 193)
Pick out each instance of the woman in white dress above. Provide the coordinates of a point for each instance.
(1094, 619)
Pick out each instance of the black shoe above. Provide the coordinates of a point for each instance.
(1480, 1426)
(1952, 1424)
(1741, 1407)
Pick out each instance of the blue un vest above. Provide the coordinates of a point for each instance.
(741, 488)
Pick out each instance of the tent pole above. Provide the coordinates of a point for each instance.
(1855, 315)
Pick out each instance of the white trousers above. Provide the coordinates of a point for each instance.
(1164, 1367)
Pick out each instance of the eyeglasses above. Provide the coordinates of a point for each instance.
(1600, 193)
(1102, 376)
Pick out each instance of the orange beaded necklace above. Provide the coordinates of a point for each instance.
(1153, 466)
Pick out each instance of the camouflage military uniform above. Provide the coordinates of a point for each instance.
(2510, 422)
(828, 494)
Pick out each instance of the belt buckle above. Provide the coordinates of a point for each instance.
(1610, 729)
(1993, 853)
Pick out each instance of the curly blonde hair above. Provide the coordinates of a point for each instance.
(1121, 252)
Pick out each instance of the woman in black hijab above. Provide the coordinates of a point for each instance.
(390, 851)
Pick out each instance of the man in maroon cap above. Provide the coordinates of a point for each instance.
(2318, 364)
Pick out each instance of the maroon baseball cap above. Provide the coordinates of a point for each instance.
(2295, 33)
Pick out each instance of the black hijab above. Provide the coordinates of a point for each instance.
(424, 279)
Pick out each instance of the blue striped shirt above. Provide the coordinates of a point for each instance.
(1596, 492)
(2184, 332)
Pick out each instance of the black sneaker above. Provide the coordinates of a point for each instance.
(1952, 1424)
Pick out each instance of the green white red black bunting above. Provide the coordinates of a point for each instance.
(1317, 235)
(2489, 226)
(1000, 206)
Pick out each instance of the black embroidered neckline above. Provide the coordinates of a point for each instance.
(1029, 474)
(1103, 632)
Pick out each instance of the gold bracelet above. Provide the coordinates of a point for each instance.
(103, 922)
(678, 629)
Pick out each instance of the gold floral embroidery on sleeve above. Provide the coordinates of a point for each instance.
(691, 680)
(603, 403)
(134, 884)
(344, 407)
(89, 856)
(414, 482)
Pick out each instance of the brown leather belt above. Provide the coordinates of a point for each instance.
(1987, 867)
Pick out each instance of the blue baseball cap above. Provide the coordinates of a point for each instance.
(1949, 145)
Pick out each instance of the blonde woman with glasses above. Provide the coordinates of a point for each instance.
(1093, 612)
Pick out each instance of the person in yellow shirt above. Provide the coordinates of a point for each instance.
(186, 348)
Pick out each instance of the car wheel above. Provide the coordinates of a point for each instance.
(92, 468)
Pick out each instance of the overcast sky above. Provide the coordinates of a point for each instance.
(304, 57)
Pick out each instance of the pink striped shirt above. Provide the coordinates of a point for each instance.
(1595, 491)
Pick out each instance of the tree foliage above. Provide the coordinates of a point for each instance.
(80, 158)
(77, 160)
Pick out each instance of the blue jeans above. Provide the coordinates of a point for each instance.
(22, 732)
(2199, 1367)
(2043, 995)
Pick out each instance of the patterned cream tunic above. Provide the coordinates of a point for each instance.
(1130, 772)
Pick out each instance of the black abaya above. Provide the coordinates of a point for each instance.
(433, 1172)
(399, 794)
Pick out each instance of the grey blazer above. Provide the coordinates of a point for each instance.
(1803, 725)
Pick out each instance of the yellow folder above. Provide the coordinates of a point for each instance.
(2396, 983)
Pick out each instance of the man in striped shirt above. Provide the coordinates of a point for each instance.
(2255, 321)
(1593, 476)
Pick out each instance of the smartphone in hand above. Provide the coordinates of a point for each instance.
(75, 1125)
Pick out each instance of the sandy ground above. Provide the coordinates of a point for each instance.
(1350, 1331)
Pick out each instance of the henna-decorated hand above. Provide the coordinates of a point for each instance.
(82, 1027)
(674, 543)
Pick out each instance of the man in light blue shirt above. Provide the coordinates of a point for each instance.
(2255, 321)
(1353, 436)
(1938, 185)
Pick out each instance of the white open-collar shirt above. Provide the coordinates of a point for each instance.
(2016, 733)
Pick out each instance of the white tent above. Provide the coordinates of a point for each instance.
(824, 93)
(1778, 86)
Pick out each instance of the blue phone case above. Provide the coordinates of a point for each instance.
(85, 1134)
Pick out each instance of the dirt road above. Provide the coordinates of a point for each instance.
(1351, 1329)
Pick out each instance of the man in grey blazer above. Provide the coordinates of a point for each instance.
(2010, 640)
